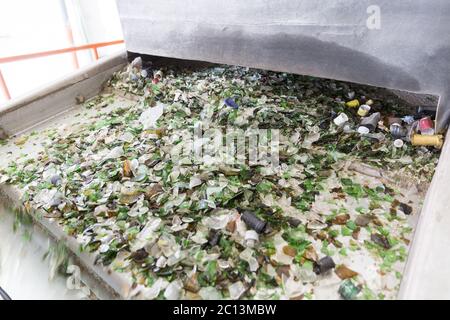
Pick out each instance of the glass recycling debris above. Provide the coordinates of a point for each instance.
(348, 290)
(319, 211)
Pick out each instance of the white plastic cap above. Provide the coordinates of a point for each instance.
(398, 143)
(251, 235)
(363, 130)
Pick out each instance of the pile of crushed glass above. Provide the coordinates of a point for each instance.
(332, 220)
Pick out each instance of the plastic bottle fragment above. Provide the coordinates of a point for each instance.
(254, 222)
(348, 290)
(424, 140)
(323, 265)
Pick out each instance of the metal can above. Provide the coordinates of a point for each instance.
(398, 131)
(426, 126)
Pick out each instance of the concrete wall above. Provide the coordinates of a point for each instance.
(409, 49)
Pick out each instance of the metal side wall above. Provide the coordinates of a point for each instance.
(427, 274)
(402, 44)
(38, 106)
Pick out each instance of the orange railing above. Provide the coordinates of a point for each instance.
(94, 47)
